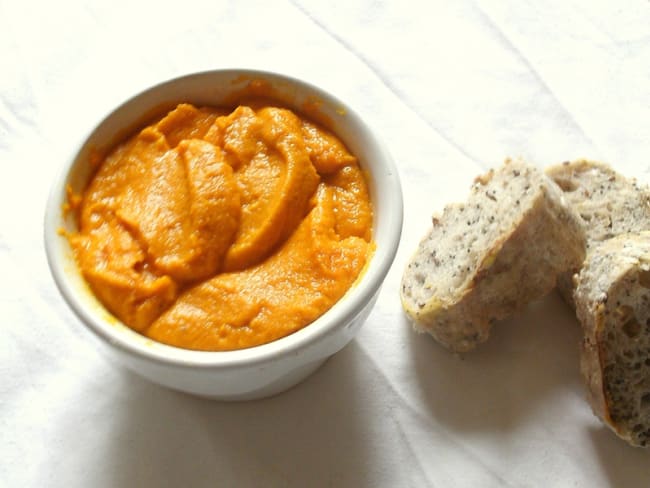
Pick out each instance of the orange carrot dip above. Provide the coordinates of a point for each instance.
(219, 230)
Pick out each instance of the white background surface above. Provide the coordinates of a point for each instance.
(452, 88)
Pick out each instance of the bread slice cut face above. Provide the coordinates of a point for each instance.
(607, 202)
(612, 300)
(484, 259)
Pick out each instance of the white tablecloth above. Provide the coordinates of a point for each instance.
(452, 87)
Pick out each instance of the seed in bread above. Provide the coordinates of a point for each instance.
(613, 305)
(486, 258)
(608, 204)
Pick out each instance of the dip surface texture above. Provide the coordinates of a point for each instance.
(218, 230)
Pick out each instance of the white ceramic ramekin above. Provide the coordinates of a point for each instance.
(262, 370)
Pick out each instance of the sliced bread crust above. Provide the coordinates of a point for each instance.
(608, 203)
(613, 305)
(486, 258)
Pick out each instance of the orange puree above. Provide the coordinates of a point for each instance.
(220, 230)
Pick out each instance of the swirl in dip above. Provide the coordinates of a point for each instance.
(217, 230)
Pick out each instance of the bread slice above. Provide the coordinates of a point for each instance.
(608, 203)
(484, 259)
(613, 306)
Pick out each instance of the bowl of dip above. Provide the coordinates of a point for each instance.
(224, 233)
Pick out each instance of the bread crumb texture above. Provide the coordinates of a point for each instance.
(487, 257)
(607, 202)
(612, 299)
